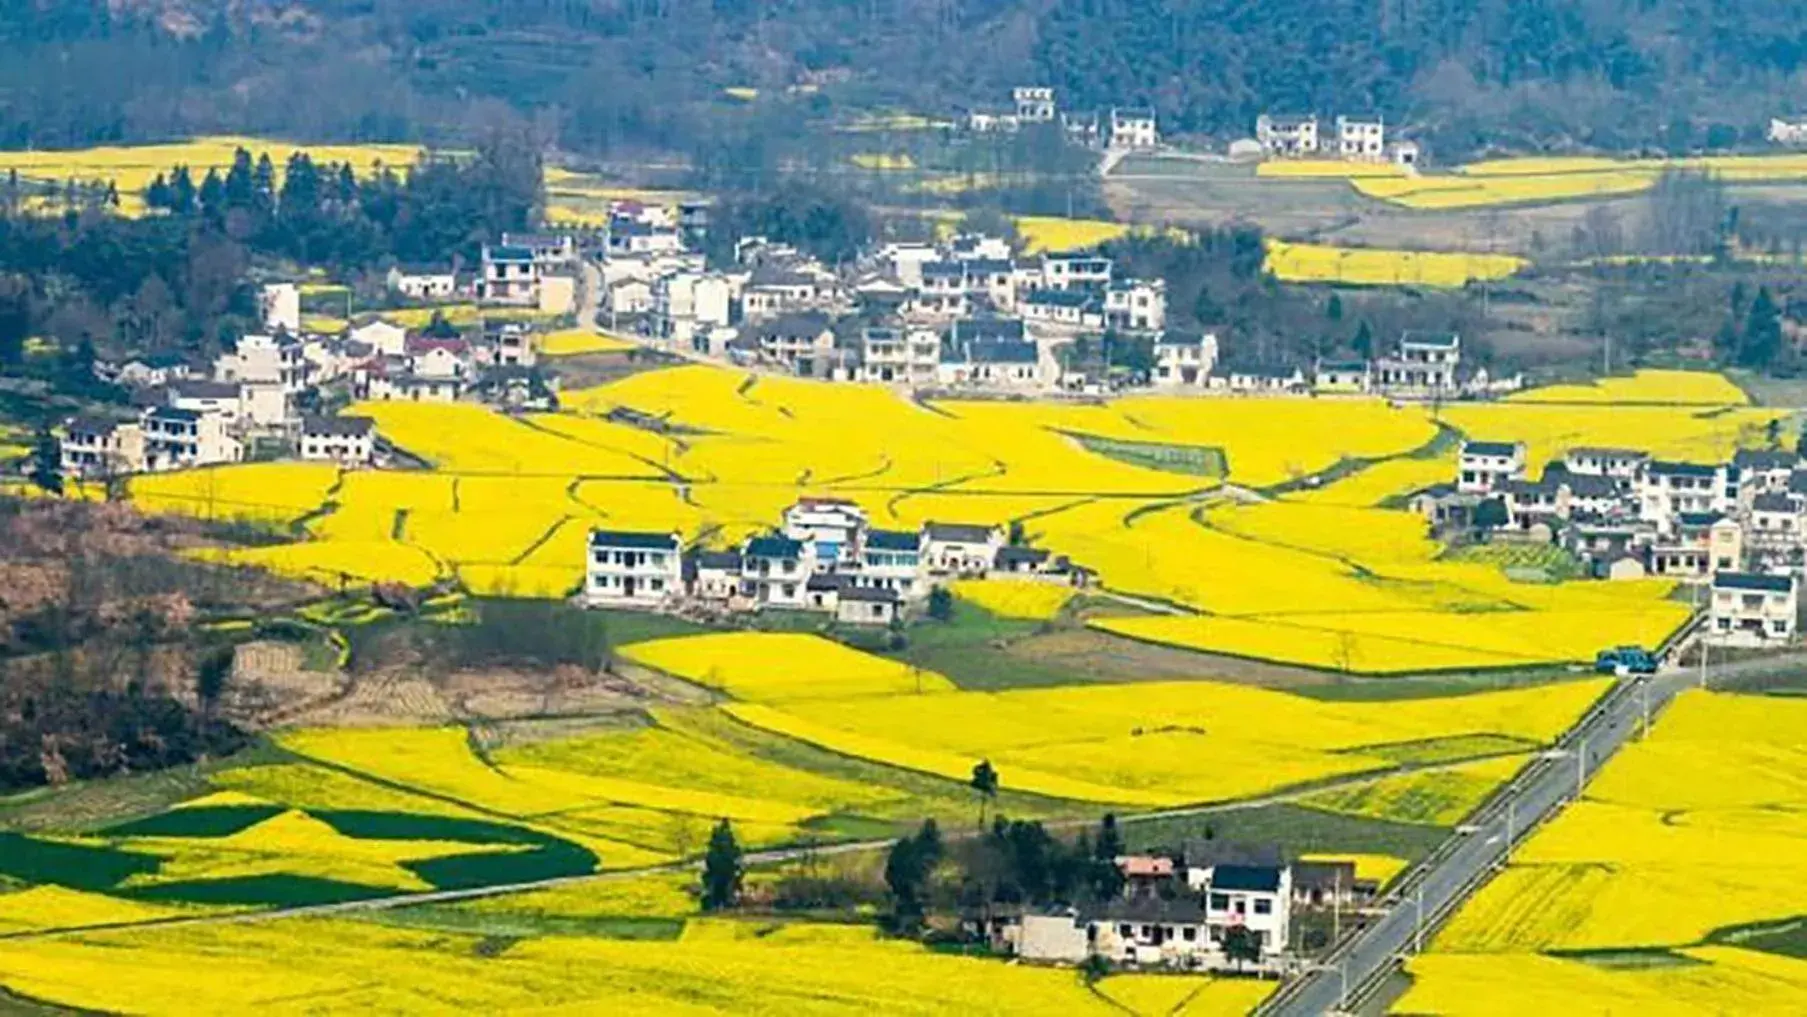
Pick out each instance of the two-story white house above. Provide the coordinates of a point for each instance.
(899, 354)
(1133, 130)
(1360, 139)
(1752, 610)
(98, 447)
(1136, 305)
(633, 568)
(1486, 466)
(1424, 364)
(1666, 490)
(1184, 359)
(774, 571)
(176, 439)
(1282, 136)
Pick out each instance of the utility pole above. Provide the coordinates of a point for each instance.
(1703, 657)
(1580, 766)
(1511, 815)
(1644, 704)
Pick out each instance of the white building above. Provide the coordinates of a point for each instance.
(774, 569)
(1184, 360)
(265, 360)
(960, 549)
(509, 275)
(1752, 610)
(893, 560)
(1136, 305)
(688, 304)
(1256, 897)
(95, 447)
(176, 439)
(1063, 309)
(898, 354)
(1076, 271)
(1623, 466)
(633, 568)
(1287, 135)
(1034, 104)
(1361, 140)
(831, 528)
(1788, 132)
(422, 283)
(551, 250)
(348, 441)
(1668, 490)
(1424, 365)
(1486, 466)
(1133, 129)
(1341, 376)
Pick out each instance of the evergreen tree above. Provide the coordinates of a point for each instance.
(47, 462)
(1762, 332)
(1364, 342)
(1334, 310)
(722, 870)
(182, 191)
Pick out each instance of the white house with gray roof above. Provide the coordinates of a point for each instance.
(1752, 610)
(633, 568)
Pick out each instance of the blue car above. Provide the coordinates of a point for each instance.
(1625, 660)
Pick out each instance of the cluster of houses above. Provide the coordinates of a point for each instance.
(254, 397)
(1120, 129)
(824, 557)
(1179, 907)
(1352, 139)
(970, 313)
(1736, 530)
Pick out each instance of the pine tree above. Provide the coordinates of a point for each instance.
(722, 870)
(47, 463)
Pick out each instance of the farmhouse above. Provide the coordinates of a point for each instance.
(422, 283)
(176, 439)
(1361, 139)
(960, 548)
(1486, 466)
(1424, 364)
(348, 441)
(510, 275)
(1133, 129)
(1752, 610)
(633, 568)
(1184, 359)
(1282, 136)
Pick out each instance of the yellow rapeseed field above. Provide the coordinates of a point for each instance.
(1324, 577)
(1678, 388)
(40, 908)
(1440, 797)
(1332, 168)
(777, 666)
(304, 965)
(1360, 266)
(1105, 736)
(1054, 235)
(570, 342)
(1681, 836)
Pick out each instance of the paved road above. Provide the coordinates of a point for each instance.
(1462, 864)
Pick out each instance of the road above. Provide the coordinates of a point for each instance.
(1465, 862)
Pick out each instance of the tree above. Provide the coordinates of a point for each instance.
(907, 869)
(1490, 515)
(1241, 943)
(1095, 966)
(210, 678)
(1773, 432)
(941, 604)
(1110, 839)
(1018, 537)
(985, 782)
(1364, 341)
(722, 870)
(1762, 341)
(1334, 309)
(47, 462)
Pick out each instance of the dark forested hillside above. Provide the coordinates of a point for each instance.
(1613, 74)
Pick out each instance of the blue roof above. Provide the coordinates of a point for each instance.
(774, 546)
(509, 254)
(633, 538)
(893, 540)
(1245, 877)
(1752, 581)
